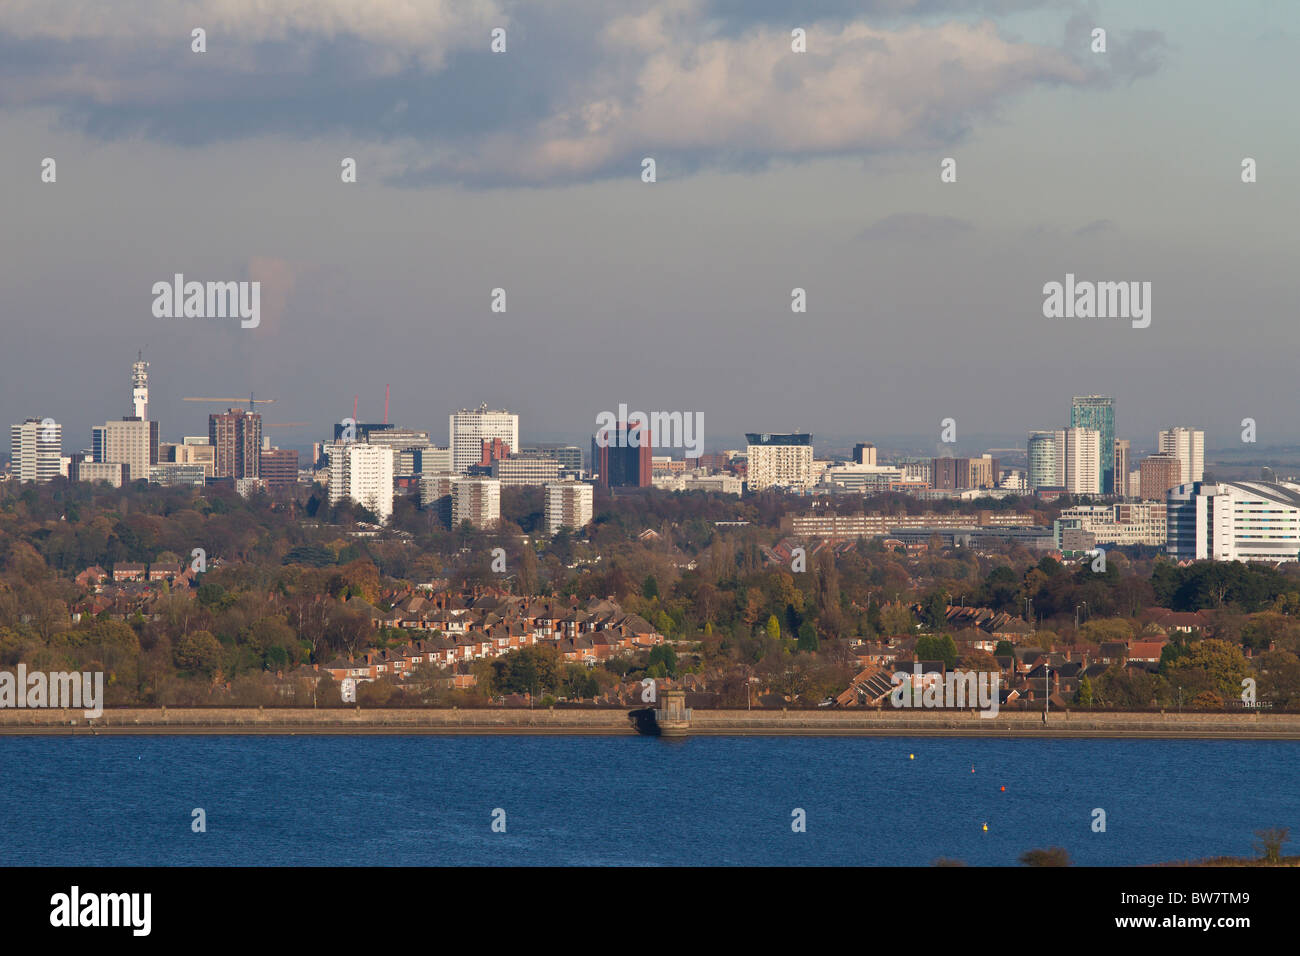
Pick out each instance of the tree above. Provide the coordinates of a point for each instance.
(1083, 696)
(650, 589)
(896, 619)
(665, 657)
(773, 628)
(1222, 663)
(199, 652)
(807, 637)
(1268, 843)
(937, 647)
(1052, 856)
(980, 662)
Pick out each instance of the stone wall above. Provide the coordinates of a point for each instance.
(499, 720)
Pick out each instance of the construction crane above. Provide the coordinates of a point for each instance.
(226, 401)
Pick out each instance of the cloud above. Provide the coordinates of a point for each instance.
(915, 227)
(1097, 227)
(581, 93)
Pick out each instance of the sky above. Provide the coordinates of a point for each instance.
(522, 170)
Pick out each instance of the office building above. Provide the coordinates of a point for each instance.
(779, 461)
(170, 473)
(1234, 521)
(518, 470)
(364, 473)
(864, 453)
(432, 460)
(963, 474)
(622, 458)
(568, 505)
(132, 442)
(1121, 468)
(36, 449)
(569, 456)
(470, 427)
(408, 444)
(1188, 446)
(1140, 523)
(279, 468)
(478, 501)
(1097, 413)
(113, 472)
(237, 437)
(1159, 474)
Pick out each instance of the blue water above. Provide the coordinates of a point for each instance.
(420, 800)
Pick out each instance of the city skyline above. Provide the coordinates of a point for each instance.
(924, 298)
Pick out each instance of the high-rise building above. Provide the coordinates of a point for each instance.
(568, 505)
(1188, 446)
(494, 449)
(468, 428)
(279, 467)
(435, 494)
(779, 461)
(964, 474)
(621, 458)
(1046, 459)
(364, 473)
(1121, 467)
(237, 437)
(476, 500)
(1097, 412)
(1083, 461)
(1159, 474)
(1234, 521)
(36, 449)
(408, 444)
(132, 442)
(864, 453)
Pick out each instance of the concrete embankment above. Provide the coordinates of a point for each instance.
(1258, 726)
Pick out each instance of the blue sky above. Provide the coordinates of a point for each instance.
(775, 170)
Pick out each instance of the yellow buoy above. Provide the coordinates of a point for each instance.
(911, 756)
(986, 828)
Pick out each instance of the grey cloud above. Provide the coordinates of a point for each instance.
(915, 227)
(581, 94)
(1097, 227)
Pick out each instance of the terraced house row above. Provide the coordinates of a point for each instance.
(460, 631)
